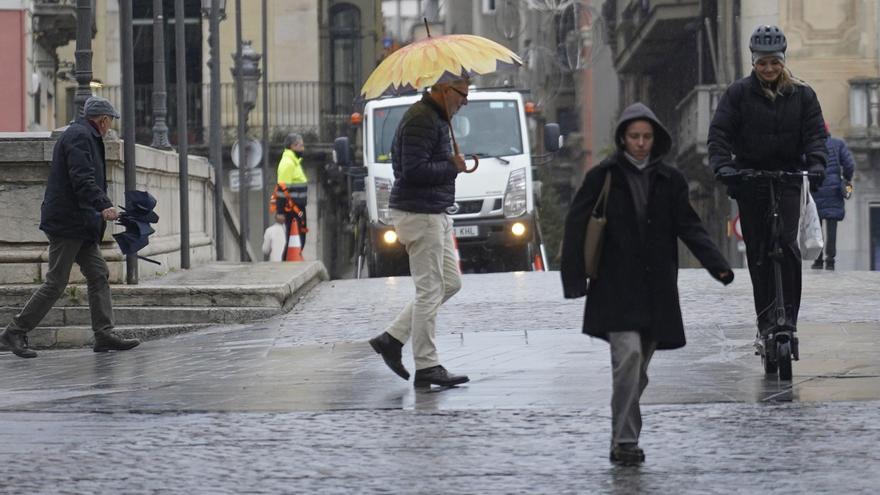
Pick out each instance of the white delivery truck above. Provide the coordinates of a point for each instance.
(495, 219)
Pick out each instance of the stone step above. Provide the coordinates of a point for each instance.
(75, 295)
(149, 315)
(82, 336)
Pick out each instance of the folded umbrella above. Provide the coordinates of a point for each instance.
(136, 219)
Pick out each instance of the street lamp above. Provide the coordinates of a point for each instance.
(221, 10)
(246, 73)
(250, 75)
(215, 10)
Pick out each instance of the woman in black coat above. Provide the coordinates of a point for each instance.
(633, 301)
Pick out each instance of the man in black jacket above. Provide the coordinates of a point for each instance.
(425, 169)
(769, 120)
(73, 215)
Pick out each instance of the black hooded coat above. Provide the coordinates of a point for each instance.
(637, 284)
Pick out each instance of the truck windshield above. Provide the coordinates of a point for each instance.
(483, 127)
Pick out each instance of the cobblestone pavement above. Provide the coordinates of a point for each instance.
(300, 404)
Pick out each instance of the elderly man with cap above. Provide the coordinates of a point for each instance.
(73, 216)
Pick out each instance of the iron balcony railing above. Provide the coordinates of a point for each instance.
(695, 113)
(319, 110)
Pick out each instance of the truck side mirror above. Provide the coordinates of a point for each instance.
(341, 152)
(552, 138)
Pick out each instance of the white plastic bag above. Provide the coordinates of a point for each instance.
(810, 229)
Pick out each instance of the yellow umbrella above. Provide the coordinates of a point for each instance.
(431, 61)
(436, 60)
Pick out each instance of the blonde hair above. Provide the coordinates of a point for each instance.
(785, 84)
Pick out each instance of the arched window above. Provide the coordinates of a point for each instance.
(345, 55)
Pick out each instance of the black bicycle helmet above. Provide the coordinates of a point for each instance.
(767, 39)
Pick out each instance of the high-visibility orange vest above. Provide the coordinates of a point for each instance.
(290, 205)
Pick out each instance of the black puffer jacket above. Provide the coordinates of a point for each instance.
(76, 192)
(424, 176)
(781, 134)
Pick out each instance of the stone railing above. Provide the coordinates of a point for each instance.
(695, 113)
(864, 112)
(25, 160)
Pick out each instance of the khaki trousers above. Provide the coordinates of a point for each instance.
(433, 264)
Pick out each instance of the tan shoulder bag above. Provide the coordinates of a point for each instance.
(596, 232)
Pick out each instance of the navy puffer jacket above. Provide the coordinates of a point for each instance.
(424, 176)
(829, 197)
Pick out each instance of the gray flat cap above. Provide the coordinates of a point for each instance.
(97, 106)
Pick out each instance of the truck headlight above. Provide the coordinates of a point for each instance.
(383, 195)
(515, 194)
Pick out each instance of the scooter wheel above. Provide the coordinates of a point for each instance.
(783, 356)
(768, 356)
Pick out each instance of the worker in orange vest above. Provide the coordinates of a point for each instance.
(282, 202)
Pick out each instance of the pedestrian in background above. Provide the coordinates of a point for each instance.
(425, 169)
(73, 216)
(275, 238)
(830, 197)
(292, 178)
(633, 301)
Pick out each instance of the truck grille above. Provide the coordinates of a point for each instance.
(470, 207)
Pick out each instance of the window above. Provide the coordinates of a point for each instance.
(488, 6)
(485, 128)
(345, 56)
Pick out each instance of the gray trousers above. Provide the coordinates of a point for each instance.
(63, 253)
(630, 355)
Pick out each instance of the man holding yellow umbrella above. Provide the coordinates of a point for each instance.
(426, 161)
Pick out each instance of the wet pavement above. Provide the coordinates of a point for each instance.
(300, 403)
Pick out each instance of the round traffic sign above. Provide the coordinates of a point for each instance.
(253, 152)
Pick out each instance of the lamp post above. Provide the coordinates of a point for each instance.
(247, 75)
(130, 167)
(182, 136)
(265, 20)
(160, 95)
(83, 55)
(215, 10)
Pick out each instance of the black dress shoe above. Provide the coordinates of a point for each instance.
(627, 454)
(437, 375)
(17, 343)
(109, 341)
(390, 350)
(817, 265)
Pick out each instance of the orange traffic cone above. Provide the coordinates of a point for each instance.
(294, 246)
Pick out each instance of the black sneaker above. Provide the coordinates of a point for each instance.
(437, 375)
(390, 350)
(627, 454)
(817, 265)
(829, 265)
(16, 342)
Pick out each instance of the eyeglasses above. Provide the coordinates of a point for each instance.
(463, 95)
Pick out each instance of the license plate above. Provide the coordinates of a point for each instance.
(467, 231)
